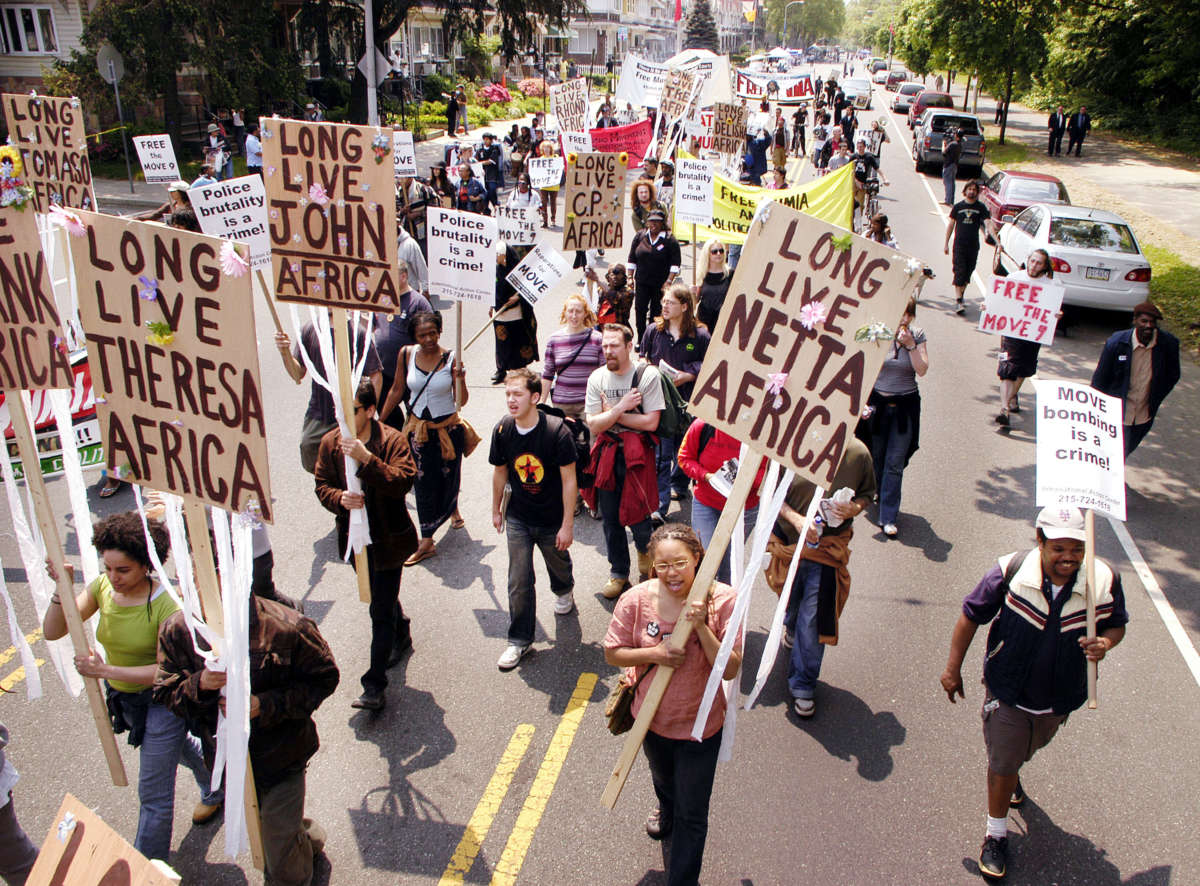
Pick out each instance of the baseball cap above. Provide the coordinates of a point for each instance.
(212, 127)
(657, 215)
(1062, 523)
(1149, 308)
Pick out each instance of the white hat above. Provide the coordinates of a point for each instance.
(1062, 523)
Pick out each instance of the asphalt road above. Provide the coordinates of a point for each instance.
(884, 785)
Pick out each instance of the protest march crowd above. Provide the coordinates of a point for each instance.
(605, 427)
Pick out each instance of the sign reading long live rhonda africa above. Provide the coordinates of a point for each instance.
(331, 210)
(174, 360)
(811, 314)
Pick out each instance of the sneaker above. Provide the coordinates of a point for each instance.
(788, 639)
(993, 857)
(960, 308)
(615, 588)
(565, 603)
(512, 656)
(658, 825)
(204, 813)
(369, 701)
(890, 530)
(1002, 419)
(804, 707)
(1018, 796)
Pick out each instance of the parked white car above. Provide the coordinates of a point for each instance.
(1093, 252)
(905, 95)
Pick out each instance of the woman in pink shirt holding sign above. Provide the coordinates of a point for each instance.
(1018, 357)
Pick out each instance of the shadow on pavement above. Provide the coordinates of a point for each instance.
(917, 532)
(189, 861)
(554, 670)
(848, 729)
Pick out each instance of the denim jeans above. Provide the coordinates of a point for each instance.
(807, 650)
(888, 454)
(704, 521)
(949, 173)
(669, 474)
(17, 852)
(166, 744)
(389, 627)
(683, 771)
(522, 601)
(615, 543)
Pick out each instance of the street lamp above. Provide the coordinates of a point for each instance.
(785, 12)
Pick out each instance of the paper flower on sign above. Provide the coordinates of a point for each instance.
(60, 345)
(233, 263)
(69, 220)
(149, 288)
(382, 146)
(623, 158)
(316, 193)
(37, 99)
(572, 158)
(66, 826)
(813, 314)
(842, 243)
(74, 101)
(874, 332)
(366, 188)
(913, 266)
(13, 190)
(250, 515)
(776, 381)
(159, 333)
(762, 213)
(267, 133)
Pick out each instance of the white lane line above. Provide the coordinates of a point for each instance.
(1184, 643)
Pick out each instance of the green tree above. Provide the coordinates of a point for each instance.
(701, 31)
(815, 20)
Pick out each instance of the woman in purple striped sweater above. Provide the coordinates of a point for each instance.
(571, 354)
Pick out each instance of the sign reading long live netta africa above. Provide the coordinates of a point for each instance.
(595, 201)
(809, 318)
(174, 361)
(48, 131)
(331, 211)
(33, 355)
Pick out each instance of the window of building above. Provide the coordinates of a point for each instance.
(583, 41)
(28, 30)
(428, 43)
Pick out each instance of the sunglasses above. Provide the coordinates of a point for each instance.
(716, 251)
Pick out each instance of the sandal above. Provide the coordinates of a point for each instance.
(420, 555)
(458, 523)
(109, 491)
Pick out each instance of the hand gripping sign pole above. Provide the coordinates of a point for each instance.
(705, 575)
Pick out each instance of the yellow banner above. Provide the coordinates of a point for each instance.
(830, 199)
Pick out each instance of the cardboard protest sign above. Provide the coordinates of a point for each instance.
(81, 848)
(174, 361)
(48, 131)
(1020, 307)
(595, 201)
(33, 354)
(808, 321)
(332, 213)
(236, 210)
(544, 172)
(462, 255)
(786, 89)
(538, 273)
(518, 224)
(729, 128)
(404, 155)
(633, 140)
(576, 142)
(641, 82)
(694, 192)
(569, 103)
(157, 156)
(678, 96)
(1080, 448)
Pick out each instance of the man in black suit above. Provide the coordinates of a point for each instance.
(1056, 126)
(1077, 129)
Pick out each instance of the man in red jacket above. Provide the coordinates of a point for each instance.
(386, 469)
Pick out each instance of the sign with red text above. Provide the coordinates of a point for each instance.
(786, 89)
(1080, 448)
(174, 362)
(462, 255)
(633, 140)
(331, 213)
(1021, 307)
(236, 210)
(33, 354)
(809, 318)
(48, 131)
(569, 103)
(595, 201)
(157, 156)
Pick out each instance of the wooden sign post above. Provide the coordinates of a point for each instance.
(1089, 598)
(808, 321)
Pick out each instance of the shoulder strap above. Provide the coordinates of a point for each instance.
(637, 380)
(559, 370)
(428, 378)
(1014, 564)
(707, 432)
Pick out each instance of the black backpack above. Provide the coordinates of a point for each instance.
(576, 427)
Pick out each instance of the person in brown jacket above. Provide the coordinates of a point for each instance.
(386, 469)
(291, 672)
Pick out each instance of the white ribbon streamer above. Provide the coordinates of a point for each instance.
(33, 558)
(33, 680)
(81, 514)
(771, 650)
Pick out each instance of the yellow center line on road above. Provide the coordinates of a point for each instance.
(30, 638)
(17, 676)
(521, 837)
(489, 804)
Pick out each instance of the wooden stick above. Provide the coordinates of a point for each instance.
(693, 253)
(341, 343)
(486, 326)
(458, 349)
(705, 574)
(209, 589)
(266, 291)
(1089, 596)
(66, 594)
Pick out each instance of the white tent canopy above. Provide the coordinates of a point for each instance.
(717, 88)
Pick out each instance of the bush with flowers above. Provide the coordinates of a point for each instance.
(532, 86)
(493, 94)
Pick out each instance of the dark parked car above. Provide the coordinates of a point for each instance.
(1008, 192)
(924, 101)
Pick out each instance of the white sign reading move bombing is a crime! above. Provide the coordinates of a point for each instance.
(1080, 448)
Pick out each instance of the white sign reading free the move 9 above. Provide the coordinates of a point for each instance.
(694, 192)
(157, 156)
(236, 209)
(462, 255)
(1020, 307)
(1080, 448)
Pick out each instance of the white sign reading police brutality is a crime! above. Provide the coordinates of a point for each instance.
(157, 156)
(462, 255)
(404, 156)
(1080, 448)
(236, 209)
(694, 192)
(538, 273)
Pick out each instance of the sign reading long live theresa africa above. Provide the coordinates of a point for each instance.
(331, 209)
(804, 329)
(174, 361)
(595, 201)
(33, 355)
(48, 131)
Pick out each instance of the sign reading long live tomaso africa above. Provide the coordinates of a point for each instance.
(48, 133)
(331, 212)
